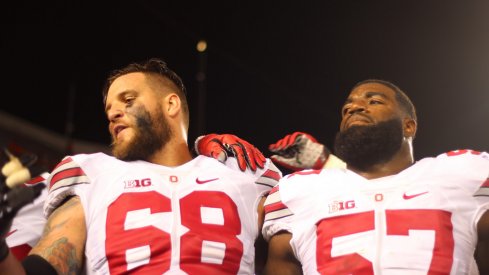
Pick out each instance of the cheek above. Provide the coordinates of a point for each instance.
(383, 115)
(342, 124)
(136, 111)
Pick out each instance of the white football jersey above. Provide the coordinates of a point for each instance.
(420, 221)
(28, 224)
(197, 218)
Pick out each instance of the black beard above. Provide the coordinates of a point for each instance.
(150, 136)
(364, 146)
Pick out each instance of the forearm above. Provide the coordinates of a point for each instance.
(11, 266)
(482, 249)
(281, 268)
(281, 259)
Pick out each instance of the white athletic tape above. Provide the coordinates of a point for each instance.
(18, 177)
(12, 166)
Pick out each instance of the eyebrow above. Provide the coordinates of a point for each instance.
(368, 95)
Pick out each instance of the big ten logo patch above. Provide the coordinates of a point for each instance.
(137, 183)
(336, 206)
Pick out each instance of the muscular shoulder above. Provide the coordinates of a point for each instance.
(466, 155)
(300, 190)
(455, 170)
(75, 172)
(309, 182)
(76, 169)
(463, 163)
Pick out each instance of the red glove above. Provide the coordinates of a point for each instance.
(221, 146)
(299, 151)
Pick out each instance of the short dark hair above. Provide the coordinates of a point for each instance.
(154, 66)
(401, 97)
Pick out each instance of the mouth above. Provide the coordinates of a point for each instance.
(117, 129)
(357, 120)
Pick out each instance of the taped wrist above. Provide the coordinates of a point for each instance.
(4, 250)
(34, 264)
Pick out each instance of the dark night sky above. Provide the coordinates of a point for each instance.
(272, 67)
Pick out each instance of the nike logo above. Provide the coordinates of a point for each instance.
(11, 232)
(408, 197)
(204, 181)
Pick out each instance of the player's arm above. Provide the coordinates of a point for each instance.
(64, 236)
(261, 246)
(281, 258)
(482, 250)
(60, 249)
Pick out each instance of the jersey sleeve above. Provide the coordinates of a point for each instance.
(293, 199)
(470, 169)
(265, 178)
(268, 177)
(63, 182)
(277, 214)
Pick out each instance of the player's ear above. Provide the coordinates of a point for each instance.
(173, 104)
(409, 126)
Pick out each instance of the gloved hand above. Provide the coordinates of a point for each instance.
(13, 195)
(299, 151)
(221, 147)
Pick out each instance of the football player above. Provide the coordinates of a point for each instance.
(151, 208)
(385, 213)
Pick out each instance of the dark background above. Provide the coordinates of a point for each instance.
(272, 67)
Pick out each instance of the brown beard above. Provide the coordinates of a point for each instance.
(363, 146)
(151, 134)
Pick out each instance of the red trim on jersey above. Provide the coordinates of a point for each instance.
(68, 173)
(273, 190)
(308, 172)
(274, 207)
(11, 232)
(20, 251)
(35, 180)
(271, 174)
(486, 183)
(63, 162)
(461, 152)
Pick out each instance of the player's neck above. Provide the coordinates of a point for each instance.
(174, 153)
(400, 161)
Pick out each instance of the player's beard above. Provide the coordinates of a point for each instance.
(151, 133)
(363, 146)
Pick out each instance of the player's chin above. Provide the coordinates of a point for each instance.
(119, 152)
(120, 148)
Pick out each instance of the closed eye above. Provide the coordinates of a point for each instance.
(129, 100)
(375, 102)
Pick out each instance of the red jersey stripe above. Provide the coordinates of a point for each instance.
(272, 174)
(274, 189)
(36, 180)
(486, 183)
(68, 173)
(274, 207)
(63, 162)
(305, 172)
